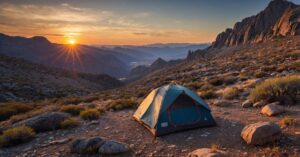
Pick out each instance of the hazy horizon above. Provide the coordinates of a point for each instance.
(127, 22)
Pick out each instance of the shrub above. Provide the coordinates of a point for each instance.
(72, 109)
(287, 121)
(90, 114)
(207, 94)
(230, 92)
(121, 104)
(70, 123)
(16, 135)
(216, 81)
(281, 89)
(10, 109)
(259, 74)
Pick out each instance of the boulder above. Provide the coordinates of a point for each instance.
(246, 104)
(112, 147)
(90, 145)
(259, 104)
(207, 152)
(272, 109)
(45, 122)
(261, 133)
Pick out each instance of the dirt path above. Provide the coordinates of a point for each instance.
(121, 127)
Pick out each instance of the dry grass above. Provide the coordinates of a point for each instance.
(213, 148)
(287, 121)
(16, 136)
(9, 109)
(77, 100)
(230, 92)
(207, 94)
(72, 109)
(121, 104)
(90, 114)
(281, 89)
(70, 123)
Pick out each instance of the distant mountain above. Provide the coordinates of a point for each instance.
(79, 58)
(280, 18)
(158, 64)
(147, 54)
(24, 80)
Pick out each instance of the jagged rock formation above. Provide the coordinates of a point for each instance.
(280, 18)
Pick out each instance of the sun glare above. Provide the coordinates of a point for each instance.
(72, 42)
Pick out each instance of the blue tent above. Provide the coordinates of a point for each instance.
(172, 108)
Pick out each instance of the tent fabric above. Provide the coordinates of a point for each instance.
(154, 107)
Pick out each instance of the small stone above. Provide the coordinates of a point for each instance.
(272, 109)
(112, 147)
(246, 104)
(259, 104)
(207, 152)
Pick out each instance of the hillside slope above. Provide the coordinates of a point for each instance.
(76, 58)
(23, 80)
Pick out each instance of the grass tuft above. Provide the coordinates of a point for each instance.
(90, 114)
(16, 136)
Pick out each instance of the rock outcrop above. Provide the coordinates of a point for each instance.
(261, 133)
(98, 145)
(280, 18)
(45, 122)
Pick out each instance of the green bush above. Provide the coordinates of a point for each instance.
(72, 109)
(283, 89)
(121, 104)
(9, 109)
(90, 114)
(16, 136)
(207, 94)
(230, 92)
(70, 123)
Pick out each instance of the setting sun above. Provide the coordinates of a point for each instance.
(72, 42)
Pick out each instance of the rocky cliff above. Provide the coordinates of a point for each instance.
(280, 18)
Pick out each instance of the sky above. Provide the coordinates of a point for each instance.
(124, 22)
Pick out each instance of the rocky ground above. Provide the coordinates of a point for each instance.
(121, 127)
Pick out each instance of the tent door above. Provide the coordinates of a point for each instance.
(184, 111)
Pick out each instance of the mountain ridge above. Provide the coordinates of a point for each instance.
(279, 18)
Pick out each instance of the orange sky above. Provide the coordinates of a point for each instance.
(126, 22)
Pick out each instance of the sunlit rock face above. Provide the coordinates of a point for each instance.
(280, 18)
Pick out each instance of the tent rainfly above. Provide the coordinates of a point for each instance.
(172, 108)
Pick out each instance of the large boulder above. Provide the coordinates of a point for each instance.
(261, 133)
(207, 152)
(112, 147)
(272, 109)
(90, 145)
(45, 122)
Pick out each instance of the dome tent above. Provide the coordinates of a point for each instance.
(172, 108)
